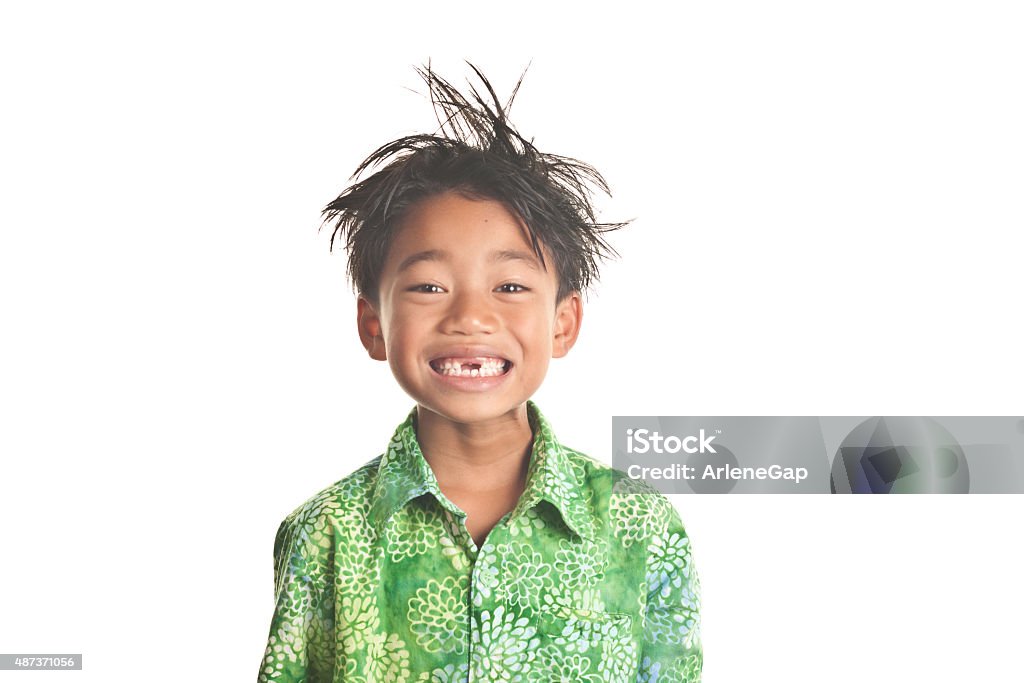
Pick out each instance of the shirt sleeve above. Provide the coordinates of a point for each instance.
(672, 650)
(300, 644)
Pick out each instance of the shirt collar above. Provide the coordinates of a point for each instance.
(403, 474)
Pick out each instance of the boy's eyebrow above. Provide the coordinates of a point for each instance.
(440, 255)
(429, 255)
(516, 255)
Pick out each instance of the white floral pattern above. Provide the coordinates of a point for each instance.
(388, 659)
(580, 563)
(438, 615)
(506, 646)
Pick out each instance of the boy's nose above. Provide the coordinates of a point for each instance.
(469, 314)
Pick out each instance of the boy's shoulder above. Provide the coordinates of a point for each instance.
(346, 500)
(632, 509)
(349, 494)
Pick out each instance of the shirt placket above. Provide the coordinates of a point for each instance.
(485, 576)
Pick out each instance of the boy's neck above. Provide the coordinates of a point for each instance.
(476, 457)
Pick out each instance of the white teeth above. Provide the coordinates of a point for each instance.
(485, 367)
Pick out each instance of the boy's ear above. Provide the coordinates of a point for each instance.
(568, 318)
(370, 331)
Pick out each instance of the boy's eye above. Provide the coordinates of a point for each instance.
(427, 289)
(512, 287)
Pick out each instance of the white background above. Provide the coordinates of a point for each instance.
(827, 205)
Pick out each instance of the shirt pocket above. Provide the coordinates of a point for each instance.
(580, 629)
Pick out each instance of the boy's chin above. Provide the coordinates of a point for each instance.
(472, 411)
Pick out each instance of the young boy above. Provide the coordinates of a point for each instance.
(478, 547)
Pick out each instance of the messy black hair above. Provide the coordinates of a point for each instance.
(477, 153)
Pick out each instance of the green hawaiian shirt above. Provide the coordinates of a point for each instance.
(588, 579)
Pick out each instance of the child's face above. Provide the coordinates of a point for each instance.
(466, 314)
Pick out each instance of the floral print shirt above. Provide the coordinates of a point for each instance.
(589, 578)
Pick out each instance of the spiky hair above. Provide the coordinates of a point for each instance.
(477, 153)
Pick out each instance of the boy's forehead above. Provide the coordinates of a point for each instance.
(449, 228)
(527, 258)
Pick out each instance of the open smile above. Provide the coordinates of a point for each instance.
(477, 366)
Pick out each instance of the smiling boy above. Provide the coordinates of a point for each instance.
(466, 316)
(478, 547)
